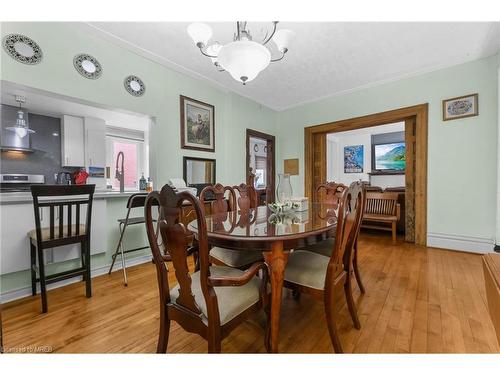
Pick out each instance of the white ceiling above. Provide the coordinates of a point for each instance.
(326, 58)
(50, 104)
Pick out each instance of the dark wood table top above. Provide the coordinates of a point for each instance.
(257, 228)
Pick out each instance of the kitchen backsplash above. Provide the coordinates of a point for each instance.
(46, 141)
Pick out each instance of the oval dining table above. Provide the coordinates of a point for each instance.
(275, 236)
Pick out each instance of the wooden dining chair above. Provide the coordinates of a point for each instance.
(221, 205)
(210, 302)
(332, 192)
(332, 195)
(246, 196)
(323, 277)
(73, 206)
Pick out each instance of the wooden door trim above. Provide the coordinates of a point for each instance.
(419, 113)
(272, 173)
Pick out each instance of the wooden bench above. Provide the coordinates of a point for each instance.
(491, 266)
(381, 212)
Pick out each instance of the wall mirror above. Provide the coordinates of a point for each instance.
(199, 172)
(23, 49)
(134, 85)
(87, 66)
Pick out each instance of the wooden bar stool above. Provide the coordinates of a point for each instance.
(69, 229)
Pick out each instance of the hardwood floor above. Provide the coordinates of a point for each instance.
(418, 300)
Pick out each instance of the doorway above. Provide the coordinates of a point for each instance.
(260, 164)
(416, 123)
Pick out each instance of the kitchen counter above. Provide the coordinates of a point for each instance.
(22, 197)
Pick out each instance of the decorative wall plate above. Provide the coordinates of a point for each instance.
(87, 66)
(23, 49)
(134, 85)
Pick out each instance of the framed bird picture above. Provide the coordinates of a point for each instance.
(197, 125)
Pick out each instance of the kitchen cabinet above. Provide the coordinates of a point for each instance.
(18, 219)
(95, 142)
(95, 148)
(72, 141)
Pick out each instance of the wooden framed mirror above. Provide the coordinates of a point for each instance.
(198, 172)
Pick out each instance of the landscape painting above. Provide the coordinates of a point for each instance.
(197, 125)
(353, 159)
(390, 156)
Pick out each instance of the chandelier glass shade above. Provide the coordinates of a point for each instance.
(21, 126)
(199, 32)
(242, 58)
(282, 39)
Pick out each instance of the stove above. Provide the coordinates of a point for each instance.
(16, 182)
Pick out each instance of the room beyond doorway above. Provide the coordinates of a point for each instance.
(260, 162)
(375, 155)
(416, 123)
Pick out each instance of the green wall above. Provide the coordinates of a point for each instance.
(498, 154)
(462, 184)
(62, 41)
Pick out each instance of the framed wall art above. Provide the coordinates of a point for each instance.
(460, 107)
(197, 125)
(353, 159)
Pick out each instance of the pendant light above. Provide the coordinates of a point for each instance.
(21, 127)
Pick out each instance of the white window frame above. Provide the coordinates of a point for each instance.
(132, 137)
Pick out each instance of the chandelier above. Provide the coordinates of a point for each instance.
(243, 58)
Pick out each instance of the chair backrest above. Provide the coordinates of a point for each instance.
(220, 203)
(67, 229)
(246, 196)
(374, 189)
(350, 213)
(137, 200)
(381, 203)
(332, 192)
(174, 233)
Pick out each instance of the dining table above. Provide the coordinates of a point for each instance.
(275, 234)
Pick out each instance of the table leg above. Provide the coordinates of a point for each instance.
(276, 260)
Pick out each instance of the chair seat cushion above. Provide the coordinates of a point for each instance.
(235, 258)
(307, 268)
(323, 247)
(378, 217)
(232, 300)
(46, 232)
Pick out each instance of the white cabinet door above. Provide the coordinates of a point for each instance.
(72, 142)
(95, 142)
(95, 148)
(18, 219)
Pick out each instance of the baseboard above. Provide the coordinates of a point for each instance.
(15, 294)
(463, 243)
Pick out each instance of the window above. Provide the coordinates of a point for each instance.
(131, 143)
(260, 172)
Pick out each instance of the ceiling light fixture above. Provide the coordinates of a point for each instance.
(243, 58)
(21, 126)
